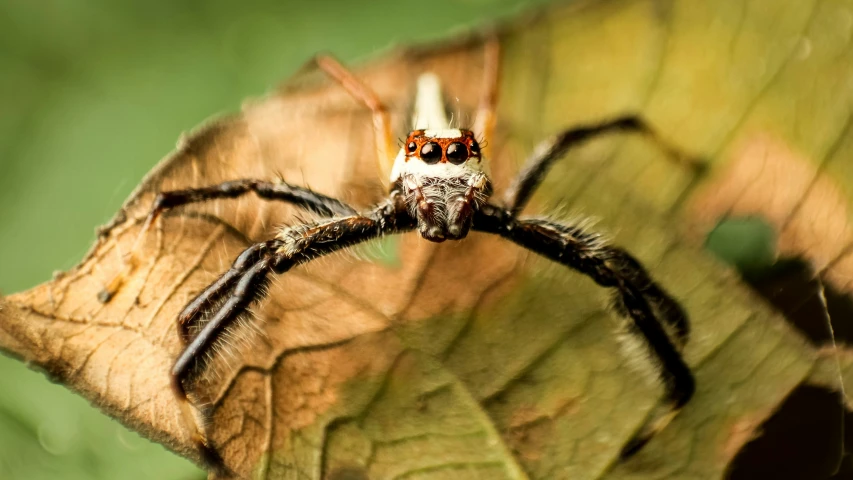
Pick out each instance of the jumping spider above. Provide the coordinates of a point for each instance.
(440, 186)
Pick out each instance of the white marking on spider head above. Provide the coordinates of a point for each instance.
(429, 105)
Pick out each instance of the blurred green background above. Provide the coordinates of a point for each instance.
(92, 94)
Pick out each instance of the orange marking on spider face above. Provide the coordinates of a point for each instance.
(417, 139)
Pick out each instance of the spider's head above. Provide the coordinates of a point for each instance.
(443, 176)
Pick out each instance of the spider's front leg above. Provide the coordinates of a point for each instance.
(279, 191)
(643, 300)
(213, 312)
(548, 152)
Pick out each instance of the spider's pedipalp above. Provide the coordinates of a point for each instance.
(444, 207)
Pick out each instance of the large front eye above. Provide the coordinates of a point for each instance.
(457, 153)
(431, 152)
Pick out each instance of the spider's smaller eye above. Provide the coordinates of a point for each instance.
(411, 147)
(475, 148)
(457, 153)
(431, 153)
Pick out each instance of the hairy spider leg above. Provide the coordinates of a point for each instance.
(361, 92)
(214, 294)
(662, 305)
(280, 191)
(236, 290)
(484, 122)
(241, 284)
(609, 267)
(548, 152)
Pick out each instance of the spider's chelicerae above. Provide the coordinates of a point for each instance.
(440, 186)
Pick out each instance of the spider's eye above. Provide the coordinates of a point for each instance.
(411, 147)
(475, 148)
(457, 153)
(431, 153)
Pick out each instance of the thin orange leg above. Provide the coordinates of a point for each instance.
(381, 120)
(484, 123)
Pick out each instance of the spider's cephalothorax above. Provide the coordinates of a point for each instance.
(442, 175)
(440, 170)
(439, 184)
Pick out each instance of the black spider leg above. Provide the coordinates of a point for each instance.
(280, 191)
(551, 150)
(236, 290)
(214, 294)
(246, 277)
(609, 267)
